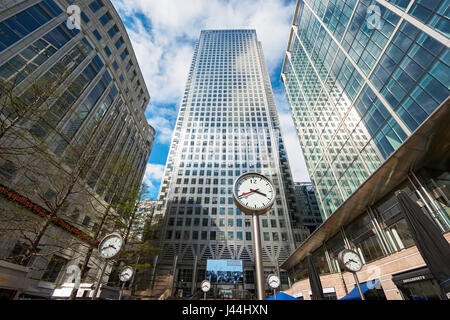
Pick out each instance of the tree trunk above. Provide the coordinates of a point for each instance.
(83, 269)
(33, 248)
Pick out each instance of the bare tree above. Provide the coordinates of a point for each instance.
(122, 201)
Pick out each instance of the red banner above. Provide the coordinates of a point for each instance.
(42, 212)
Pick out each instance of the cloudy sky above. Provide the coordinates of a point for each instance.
(163, 34)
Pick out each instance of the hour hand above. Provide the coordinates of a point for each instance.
(259, 192)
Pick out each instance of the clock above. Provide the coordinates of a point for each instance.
(110, 246)
(273, 281)
(206, 285)
(253, 193)
(350, 260)
(126, 273)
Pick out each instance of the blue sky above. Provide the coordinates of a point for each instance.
(163, 34)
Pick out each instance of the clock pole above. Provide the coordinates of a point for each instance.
(258, 257)
(359, 287)
(94, 297)
(257, 182)
(121, 290)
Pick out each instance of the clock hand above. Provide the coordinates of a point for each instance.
(247, 193)
(259, 192)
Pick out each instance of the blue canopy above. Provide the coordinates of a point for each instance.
(282, 296)
(365, 286)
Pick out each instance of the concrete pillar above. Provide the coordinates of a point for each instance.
(174, 271)
(194, 276)
(152, 277)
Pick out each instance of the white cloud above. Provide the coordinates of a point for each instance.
(164, 46)
(290, 138)
(153, 174)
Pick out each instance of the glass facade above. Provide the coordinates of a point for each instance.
(227, 125)
(66, 98)
(90, 96)
(308, 206)
(358, 85)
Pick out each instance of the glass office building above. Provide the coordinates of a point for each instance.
(99, 94)
(227, 125)
(359, 84)
(308, 206)
(368, 85)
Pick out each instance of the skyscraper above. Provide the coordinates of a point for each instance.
(307, 204)
(227, 125)
(368, 85)
(359, 83)
(74, 96)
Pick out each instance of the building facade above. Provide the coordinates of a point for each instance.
(308, 207)
(367, 83)
(79, 103)
(227, 125)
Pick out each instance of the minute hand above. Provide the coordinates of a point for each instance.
(259, 192)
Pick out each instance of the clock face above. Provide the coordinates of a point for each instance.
(206, 285)
(254, 193)
(126, 274)
(351, 260)
(273, 281)
(110, 246)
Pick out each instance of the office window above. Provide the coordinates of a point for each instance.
(95, 5)
(54, 267)
(97, 34)
(112, 32)
(104, 19)
(16, 27)
(107, 51)
(119, 43)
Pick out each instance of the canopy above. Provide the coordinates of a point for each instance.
(365, 286)
(282, 296)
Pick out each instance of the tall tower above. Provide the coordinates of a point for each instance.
(79, 99)
(227, 125)
(360, 78)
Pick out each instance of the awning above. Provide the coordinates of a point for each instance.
(282, 296)
(400, 279)
(365, 286)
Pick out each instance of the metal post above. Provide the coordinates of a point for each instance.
(278, 271)
(194, 276)
(121, 290)
(94, 297)
(275, 294)
(258, 258)
(359, 287)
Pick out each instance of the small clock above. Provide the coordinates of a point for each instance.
(206, 285)
(126, 273)
(253, 193)
(350, 260)
(273, 281)
(110, 246)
